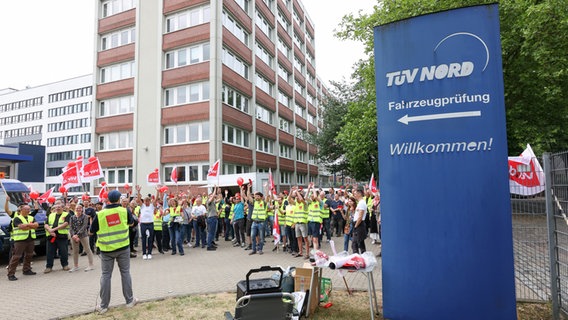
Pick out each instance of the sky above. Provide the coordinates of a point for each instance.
(43, 43)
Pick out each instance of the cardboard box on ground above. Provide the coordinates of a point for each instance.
(305, 278)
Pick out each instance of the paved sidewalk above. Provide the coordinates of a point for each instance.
(60, 293)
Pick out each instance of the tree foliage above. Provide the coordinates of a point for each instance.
(535, 73)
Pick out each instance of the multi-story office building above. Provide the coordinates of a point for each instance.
(55, 115)
(182, 83)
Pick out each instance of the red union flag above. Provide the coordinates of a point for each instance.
(526, 176)
(70, 178)
(153, 178)
(271, 181)
(174, 175)
(373, 184)
(276, 230)
(213, 172)
(43, 197)
(92, 170)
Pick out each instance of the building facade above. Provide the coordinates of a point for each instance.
(55, 115)
(183, 83)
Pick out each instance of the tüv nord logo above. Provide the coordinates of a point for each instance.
(437, 72)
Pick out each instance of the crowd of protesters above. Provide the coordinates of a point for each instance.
(168, 223)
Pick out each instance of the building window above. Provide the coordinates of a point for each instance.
(298, 41)
(298, 65)
(188, 55)
(284, 48)
(285, 125)
(180, 170)
(244, 4)
(264, 145)
(283, 99)
(186, 133)
(264, 55)
(114, 106)
(312, 159)
(301, 155)
(118, 38)
(191, 93)
(263, 25)
(301, 178)
(235, 136)
(112, 7)
(118, 176)
(283, 73)
(285, 151)
(300, 133)
(187, 18)
(283, 21)
(235, 64)
(300, 111)
(264, 114)
(285, 177)
(235, 28)
(117, 72)
(311, 119)
(264, 84)
(230, 168)
(235, 99)
(115, 141)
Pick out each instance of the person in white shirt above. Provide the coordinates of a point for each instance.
(198, 213)
(359, 228)
(146, 221)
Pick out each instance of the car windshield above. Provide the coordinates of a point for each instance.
(12, 205)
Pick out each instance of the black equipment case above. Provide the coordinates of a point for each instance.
(263, 285)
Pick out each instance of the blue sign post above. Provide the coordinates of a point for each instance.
(446, 215)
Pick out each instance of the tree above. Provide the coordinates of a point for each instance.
(535, 72)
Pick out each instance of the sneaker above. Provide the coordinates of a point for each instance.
(29, 273)
(211, 249)
(144, 257)
(181, 253)
(149, 257)
(83, 254)
(12, 278)
(274, 249)
(47, 270)
(132, 303)
(243, 245)
(236, 245)
(74, 269)
(133, 255)
(173, 253)
(89, 268)
(190, 245)
(100, 309)
(260, 252)
(252, 252)
(66, 268)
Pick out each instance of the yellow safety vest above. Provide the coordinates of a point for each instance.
(157, 221)
(114, 236)
(290, 215)
(259, 211)
(324, 211)
(232, 212)
(21, 235)
(315, 213)
(51, 222)
(300, 214)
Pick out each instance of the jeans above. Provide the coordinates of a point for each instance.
(291, 238)
(229, 232)
(158, 238)
(211, 230)
(200, 235)
(175, 238)
(240, 230)
(63, 246)
(165, 236)
(326, 228)
(257, 229)
(187, 228)
(122, 257)
(147, 237)
(269, 225)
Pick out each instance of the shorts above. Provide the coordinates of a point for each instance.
(314, 229)
(301, 230)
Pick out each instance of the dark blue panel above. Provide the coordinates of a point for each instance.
(446, 216)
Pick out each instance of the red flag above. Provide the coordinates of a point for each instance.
(70, 178)
(271, 181)
(102, 194)
(153, 178)
(373, 184)
(526, 176)
(79, 165)
(276, 229)
(213, 172)
(43, 198)
(174, 175)
(92, 170)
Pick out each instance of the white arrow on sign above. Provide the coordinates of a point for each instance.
(406, 119)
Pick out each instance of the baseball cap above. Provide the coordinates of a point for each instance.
(114, 196)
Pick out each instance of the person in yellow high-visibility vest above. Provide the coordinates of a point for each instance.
(111, 227)
(57, 226)
(301, 223)
(314, 216)
(23, 235)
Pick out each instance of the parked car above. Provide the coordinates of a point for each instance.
(18, 193)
